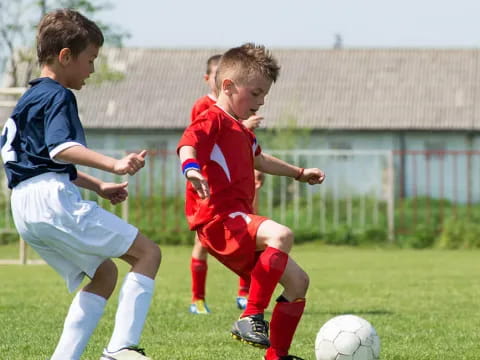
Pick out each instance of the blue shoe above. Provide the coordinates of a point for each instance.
(241, 302)
(199, 307)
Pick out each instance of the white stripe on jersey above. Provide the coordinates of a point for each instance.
(219, 158)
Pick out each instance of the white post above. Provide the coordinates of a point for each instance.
(23, 251)
(391, 199)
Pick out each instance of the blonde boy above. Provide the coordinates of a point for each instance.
(198, 261)
(219, 155)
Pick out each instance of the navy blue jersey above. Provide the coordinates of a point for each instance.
(44, 122)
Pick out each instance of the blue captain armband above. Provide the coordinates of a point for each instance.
(190, 164)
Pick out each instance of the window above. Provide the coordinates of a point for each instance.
(435, 149)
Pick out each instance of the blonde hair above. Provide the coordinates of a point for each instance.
(245, 63)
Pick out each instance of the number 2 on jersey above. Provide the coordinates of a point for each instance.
(8, 134)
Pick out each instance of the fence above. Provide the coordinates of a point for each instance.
(358, 193)
(397, 192)
(436, 185)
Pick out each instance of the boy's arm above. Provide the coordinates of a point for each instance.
(87, 181)
(271, 165)
(114, 192)
(81, 155)
(189, 154)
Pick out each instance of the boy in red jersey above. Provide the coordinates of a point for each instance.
(219, 155)
(208, 100)
(198, 261)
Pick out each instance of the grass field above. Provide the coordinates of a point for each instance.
(424, 305)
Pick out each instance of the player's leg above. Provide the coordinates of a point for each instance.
(198, 270)
(276, 241)
(85, 312)
(288, 311)
(243, 289)
(134, 300)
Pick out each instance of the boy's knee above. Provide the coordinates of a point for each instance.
(301, 284)
(107, 270)
(285, 238)
(305, 281)
(104, 281)
(153, 252)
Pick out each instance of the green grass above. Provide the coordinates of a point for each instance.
(424, 305)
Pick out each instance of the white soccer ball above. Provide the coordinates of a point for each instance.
(347, 337)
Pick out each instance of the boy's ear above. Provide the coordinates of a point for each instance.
(206, 77)
(64, 56)
(228, 87)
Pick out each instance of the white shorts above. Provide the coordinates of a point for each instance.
(72, 235)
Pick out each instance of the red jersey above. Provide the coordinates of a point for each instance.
(201, 105)
(225, 151)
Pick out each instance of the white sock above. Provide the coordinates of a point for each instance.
(82, 318)
(134, 301)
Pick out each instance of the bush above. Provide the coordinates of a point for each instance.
(8, 236)
(460, 233)
(423, 236)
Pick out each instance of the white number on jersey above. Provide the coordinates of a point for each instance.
(8, 134)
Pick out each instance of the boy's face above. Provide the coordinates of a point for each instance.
(79, 68)
(245, 100)
(210, 78)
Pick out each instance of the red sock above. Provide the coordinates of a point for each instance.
(264, 278)
(243, 286)
(285, 318)
(198, 269)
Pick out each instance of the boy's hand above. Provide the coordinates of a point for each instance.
(259, 179)
(114, 192)
(199, 183)
(312, 176)
(253, 122)
(130, 164)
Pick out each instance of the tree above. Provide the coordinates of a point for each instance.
(18, 20)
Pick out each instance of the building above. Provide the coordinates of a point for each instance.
(347, 99)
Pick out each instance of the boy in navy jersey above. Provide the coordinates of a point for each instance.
(40, 144)
(219, 155)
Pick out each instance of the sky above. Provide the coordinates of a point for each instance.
(298, 23)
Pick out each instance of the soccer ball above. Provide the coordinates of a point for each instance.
(347, 337)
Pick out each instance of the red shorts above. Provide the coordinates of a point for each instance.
(232, 240)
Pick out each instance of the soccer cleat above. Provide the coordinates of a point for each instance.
(128, 353)
(241, 302)
(199, 307)
(288, 357)
(252, 330)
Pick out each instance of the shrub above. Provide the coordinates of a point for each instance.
(460, 233)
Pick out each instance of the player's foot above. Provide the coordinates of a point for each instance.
(288, 357)
(199, 307)
(252, 330)
(128, 353)
(241, 302)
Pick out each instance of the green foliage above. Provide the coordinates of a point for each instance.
(460, 233)
(421, 237)
(284, 134)
(8, 236)
(420, 223)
